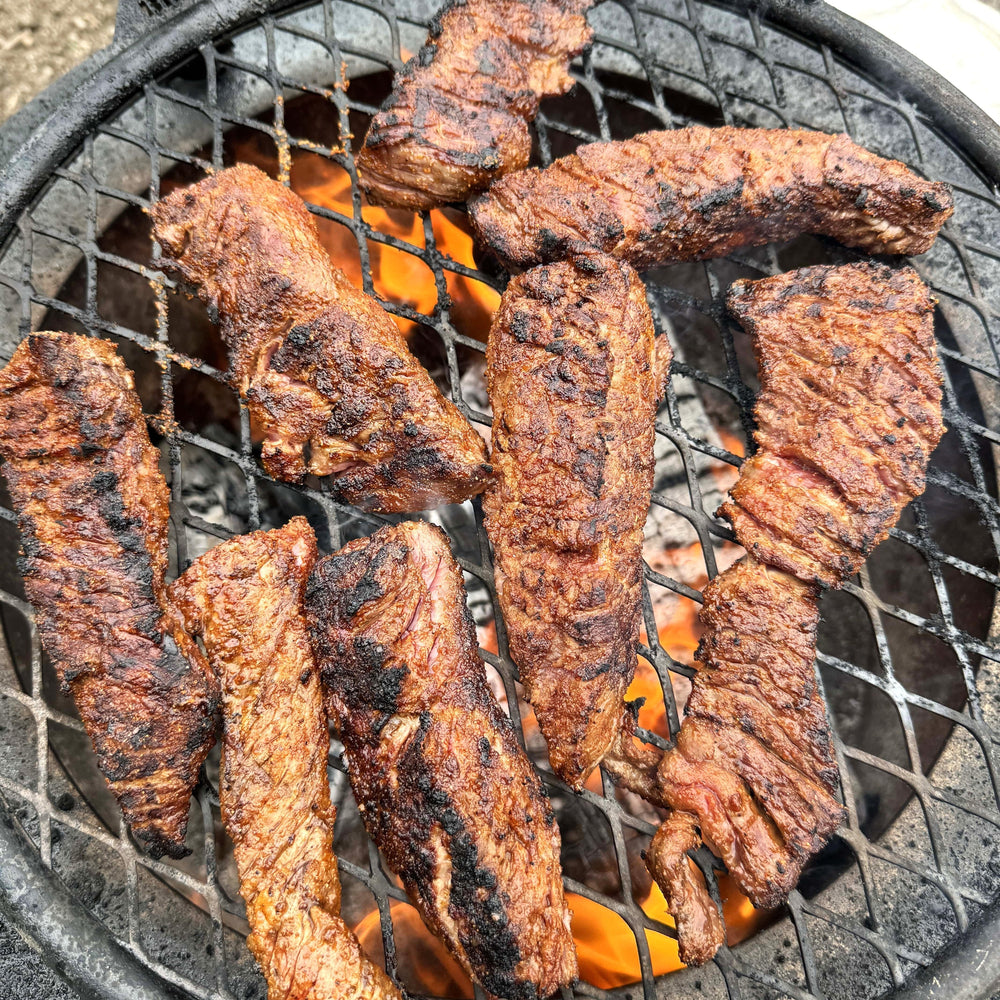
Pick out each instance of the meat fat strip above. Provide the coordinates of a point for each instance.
(326, 372)
(574, 373)
(244, 598)
(696, 193)
(92, 508)
(446, 791)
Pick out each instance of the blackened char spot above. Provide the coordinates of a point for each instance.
(435, 27)
(370, 656)
(589, 265)
(520, 324)
(592, 670)
(298, 336)
(719, 198)
(421, 458)
(666, 197)
(551, 246)
(30, 545)
(127, 531)
(367, 588)
(930, 200)
(481, 912)
(374, 689)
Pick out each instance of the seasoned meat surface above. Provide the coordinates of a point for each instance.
(699, 925)
(92, 507)
(695, 193)
(326, 372)
(848, 415)
(753, 760)
(458, 114)
(574, 374)
(446, 792)
(244, 598)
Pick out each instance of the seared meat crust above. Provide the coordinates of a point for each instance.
(92, 508)
(848, 415)
(244, 598)
(446, 792)
(325, 370)
(457, 115)
(753, 761)
(695, 193)
(574, 374)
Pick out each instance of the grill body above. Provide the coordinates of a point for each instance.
(909, 669)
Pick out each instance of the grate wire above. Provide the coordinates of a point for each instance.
(668, 64)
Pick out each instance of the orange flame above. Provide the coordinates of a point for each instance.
(606, 949)
(398, 275)
(423, 964)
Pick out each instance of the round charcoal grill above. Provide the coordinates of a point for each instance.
(904, 901)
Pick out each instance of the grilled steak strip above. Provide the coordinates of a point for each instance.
(92, 508)
(457, 115)
(326, 372)
(574, 374)
(244, 598)
(694, 193)
(848, 415)
(753, 760)
(697, 919)
(446, 792)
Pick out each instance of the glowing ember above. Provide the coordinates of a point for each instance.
(726, 475)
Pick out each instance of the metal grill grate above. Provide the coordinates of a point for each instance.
(908, 657)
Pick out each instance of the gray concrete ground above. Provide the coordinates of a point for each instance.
(41, 39)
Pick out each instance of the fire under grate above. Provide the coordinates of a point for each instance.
(908, 652)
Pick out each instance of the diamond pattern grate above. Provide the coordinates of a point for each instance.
(908, 658)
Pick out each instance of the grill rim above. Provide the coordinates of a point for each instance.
(43, 138)
(70, 939)
(45, 134)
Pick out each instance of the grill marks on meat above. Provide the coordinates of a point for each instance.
(244, 598)
(574, 374)
(753, 761)
(446, 792)
(847, 418)
(457, 115)
(695, 193)
(325, 370)
(92, 508)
